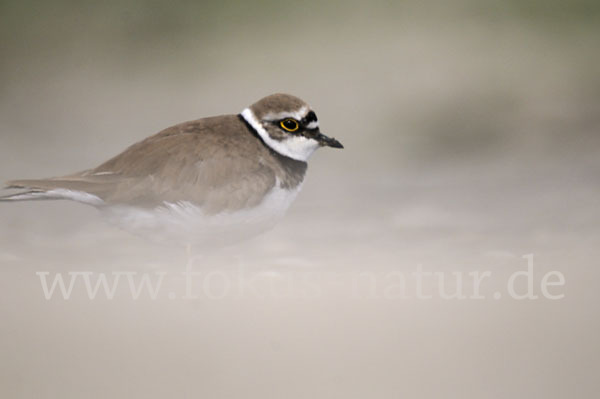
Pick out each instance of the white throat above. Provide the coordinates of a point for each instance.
(299, 148)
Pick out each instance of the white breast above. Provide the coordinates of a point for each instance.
(184, 223)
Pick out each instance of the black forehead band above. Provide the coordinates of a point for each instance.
(310, 117)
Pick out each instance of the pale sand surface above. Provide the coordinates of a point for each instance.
(468, 145)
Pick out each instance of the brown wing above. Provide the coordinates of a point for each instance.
(210, 162)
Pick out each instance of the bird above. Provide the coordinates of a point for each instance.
(209, 182)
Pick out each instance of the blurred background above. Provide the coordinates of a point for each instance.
(472, 137)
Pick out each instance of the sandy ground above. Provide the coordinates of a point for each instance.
(465, 151)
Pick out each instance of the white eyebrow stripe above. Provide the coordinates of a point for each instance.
(313, 125)
(298, 115)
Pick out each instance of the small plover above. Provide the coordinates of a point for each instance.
(209, 181)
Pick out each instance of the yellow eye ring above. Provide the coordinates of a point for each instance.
(289, 124)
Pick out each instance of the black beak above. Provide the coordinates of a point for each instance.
(328, 141)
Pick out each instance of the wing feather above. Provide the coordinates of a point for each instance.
(210, 162)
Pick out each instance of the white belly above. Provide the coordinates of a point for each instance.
(184, 223)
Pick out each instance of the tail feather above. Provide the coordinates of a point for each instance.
(53, 189)
(28, 196)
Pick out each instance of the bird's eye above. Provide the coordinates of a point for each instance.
(291, 125)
